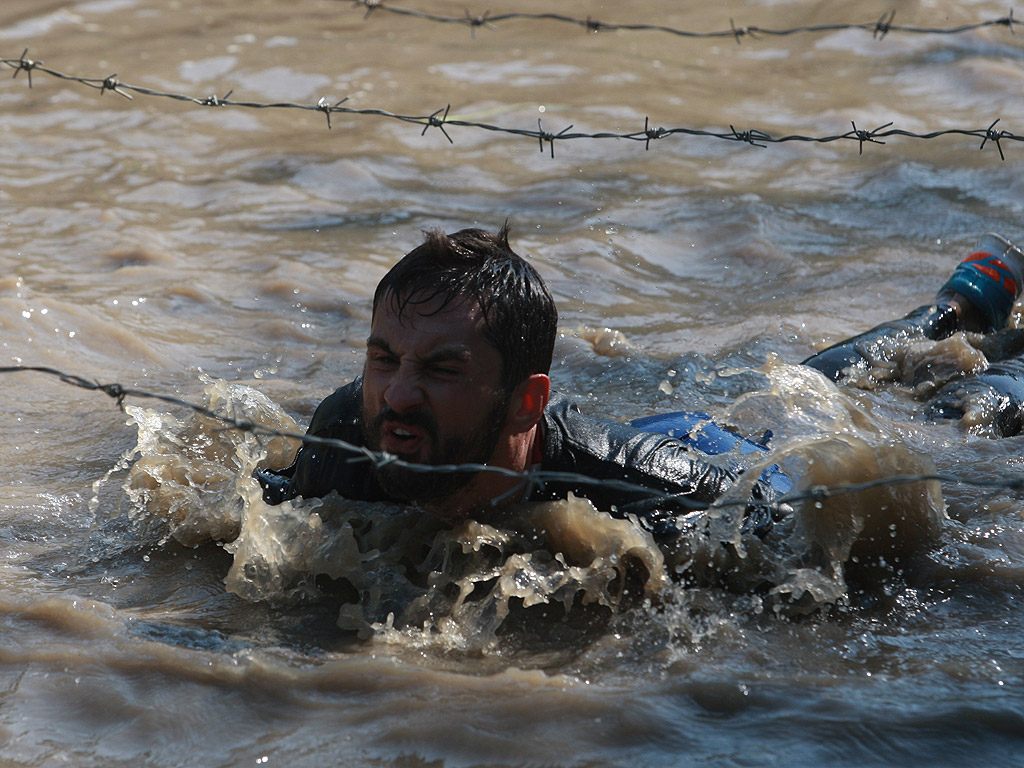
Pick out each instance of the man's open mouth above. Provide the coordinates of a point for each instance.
(401, 440)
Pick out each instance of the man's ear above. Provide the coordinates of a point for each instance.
(528, 402)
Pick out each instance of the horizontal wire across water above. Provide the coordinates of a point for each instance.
(439, 118)
(528, 480)
(879, 28)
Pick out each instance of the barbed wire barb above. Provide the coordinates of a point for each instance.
(25, 65)
(370, 5)
(867, 136)
(213, 101)
(993, 136)
(739, 32)
(325, 106)
(543, 136)
(111, 84)
(751, 137)
(883, 25)
(651, 134)
(433, 121)
(477, 21)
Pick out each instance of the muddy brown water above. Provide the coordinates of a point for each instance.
(154, 612)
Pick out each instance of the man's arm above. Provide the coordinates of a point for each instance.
(605, 450)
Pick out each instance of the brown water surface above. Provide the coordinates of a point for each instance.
(155, 612)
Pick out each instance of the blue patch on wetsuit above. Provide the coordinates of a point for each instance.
(697, 430)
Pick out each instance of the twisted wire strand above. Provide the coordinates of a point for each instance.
(878, 28)
(441, 118)
(528, 480)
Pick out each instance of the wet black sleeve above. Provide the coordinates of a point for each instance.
(996, 398)
(611, 450)
(319, 469)
(932, 322)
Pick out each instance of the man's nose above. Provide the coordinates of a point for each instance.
(404, 391)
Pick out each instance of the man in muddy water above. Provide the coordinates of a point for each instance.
(456, 373)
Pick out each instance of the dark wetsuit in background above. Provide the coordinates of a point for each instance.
(932, 322)
(572, 443)
(999, 390)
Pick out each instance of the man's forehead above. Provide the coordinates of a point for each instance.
(433, 328)
(410, 308)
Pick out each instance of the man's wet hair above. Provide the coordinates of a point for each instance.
(520, 318)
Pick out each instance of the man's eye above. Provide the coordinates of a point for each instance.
(442, 370)
(383, 361)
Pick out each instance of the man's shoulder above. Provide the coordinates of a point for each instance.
(343, 407)
(559, 404)
(565, 413)
(572, 438)
(568, 430)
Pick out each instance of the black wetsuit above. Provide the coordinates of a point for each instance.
(932, 322)
(999, 390)
(573, 443)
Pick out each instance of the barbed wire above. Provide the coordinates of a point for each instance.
(441, 118)
(878, 29)
(528, 481)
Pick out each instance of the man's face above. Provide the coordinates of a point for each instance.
(431, 395)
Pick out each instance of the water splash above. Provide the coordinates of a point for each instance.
(539, 571)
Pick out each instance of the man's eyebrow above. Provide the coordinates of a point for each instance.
(378, 341)
(452, 352)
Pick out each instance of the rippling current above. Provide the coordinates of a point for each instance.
(154, 611)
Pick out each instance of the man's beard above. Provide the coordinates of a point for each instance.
(405, 484)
